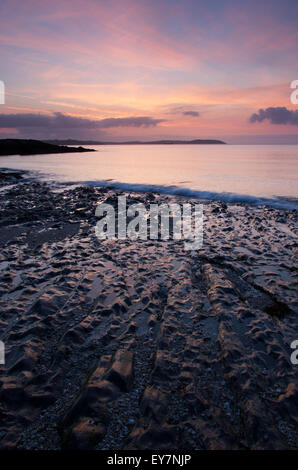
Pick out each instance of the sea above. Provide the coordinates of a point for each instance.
(255, 174)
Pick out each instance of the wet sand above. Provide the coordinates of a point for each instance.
(140, 344)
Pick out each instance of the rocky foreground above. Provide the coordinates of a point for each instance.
(143, 345)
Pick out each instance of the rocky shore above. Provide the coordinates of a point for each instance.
(122, 344)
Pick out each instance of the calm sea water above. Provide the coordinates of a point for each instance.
(227, 172)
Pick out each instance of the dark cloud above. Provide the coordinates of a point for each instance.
(191, 113)
(278, 115)
(62, 121)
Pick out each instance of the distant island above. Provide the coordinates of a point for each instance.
(34, 147)
(136, 142)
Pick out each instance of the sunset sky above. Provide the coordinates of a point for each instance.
(147, 69)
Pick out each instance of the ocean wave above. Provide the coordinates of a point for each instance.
(278, 202)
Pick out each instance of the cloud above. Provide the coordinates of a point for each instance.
(191, 113)
(278, 115)
(140, 121)
(60, 120)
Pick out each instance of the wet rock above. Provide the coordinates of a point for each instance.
(155, 437)
(84, 436)
(192, 350)
(154, 405)
(121, 372)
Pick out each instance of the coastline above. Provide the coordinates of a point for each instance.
(35, 147)
(141, 344)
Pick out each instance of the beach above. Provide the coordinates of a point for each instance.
(122, 344)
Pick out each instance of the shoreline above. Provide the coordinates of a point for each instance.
(280, 203)
(141, 344)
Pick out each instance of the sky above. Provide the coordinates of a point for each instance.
(148, 69)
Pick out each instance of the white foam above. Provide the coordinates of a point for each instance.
(193, 193)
